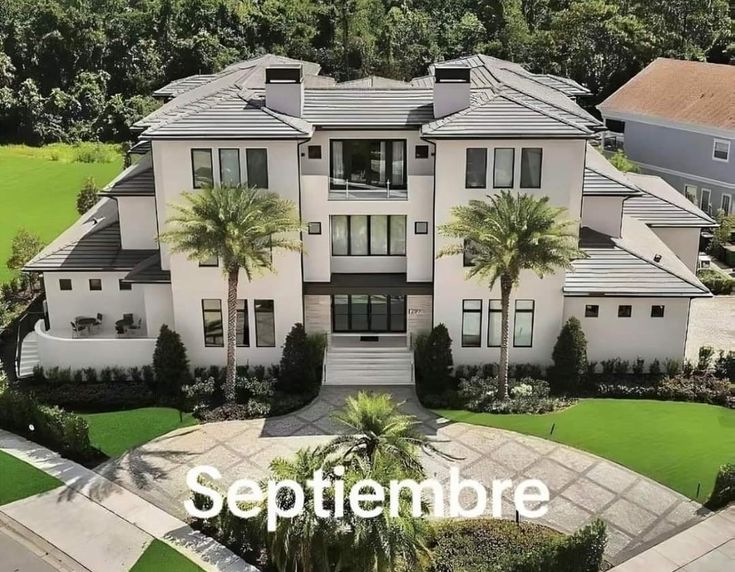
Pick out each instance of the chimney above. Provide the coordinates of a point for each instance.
(451, 89)
(284, 89)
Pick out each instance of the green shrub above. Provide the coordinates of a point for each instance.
(297, 370)
(88, 196)
(724, 490)
(699, 389)
(94, 397)
(170, 364)
(725, 366)
(433, 359)
(704, 358)
(716, 281)
(53, 427)
(570, 359)
(654, 370)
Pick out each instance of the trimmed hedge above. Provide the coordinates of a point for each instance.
(64, 432)
(701, 389)
(94, 397)
(716, 281)
(724, 490)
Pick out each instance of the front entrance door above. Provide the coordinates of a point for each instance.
(368, 313)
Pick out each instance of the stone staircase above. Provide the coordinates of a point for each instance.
(29, 358)
(369, 366)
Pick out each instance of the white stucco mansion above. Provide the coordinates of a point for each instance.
(374, 166)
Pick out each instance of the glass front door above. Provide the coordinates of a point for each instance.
(363, 313)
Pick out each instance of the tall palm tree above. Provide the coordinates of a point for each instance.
(379, 428)
(240, 225)
(508, 234)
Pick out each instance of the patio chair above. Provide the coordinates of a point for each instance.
(128, 318)
(98, 321)
(74, 330)
(136, 326)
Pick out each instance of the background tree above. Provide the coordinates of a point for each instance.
(25, 245)
(242, 226)
(620, 161)
(570, 359)
(170, 363)
(88, 196)
(510, 234)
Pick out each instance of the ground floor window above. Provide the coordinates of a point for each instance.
(368, 313)
(212, 319)
(265, 325)
(243, 327)
(657, 311)
(625, 311)
(471, 323)
(494, 324)
(523, 324)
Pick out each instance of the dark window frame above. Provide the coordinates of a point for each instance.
(467, 171)
(590, 313)
(422, 152)
(540, 167)
(96, 281)
(314, 151)
(205, 311)
(258, 336)
(416, 227)
(490, 312)
(318, 226)
(247, 166)
(389, 315)
(369, 235)
(204, 264)
(243, 317)
(464, 313)
(388, 161)
(207, 150)
(63, 282)
(655, 314)
(124, 286)
(512, 169)
(239, 163)
(516, 311)
(622, 313)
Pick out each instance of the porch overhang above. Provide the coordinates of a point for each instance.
(372, 283)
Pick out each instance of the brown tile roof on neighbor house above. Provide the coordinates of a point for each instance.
(679, 91)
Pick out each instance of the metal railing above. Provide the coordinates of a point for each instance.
(26, 323)
(362, 192)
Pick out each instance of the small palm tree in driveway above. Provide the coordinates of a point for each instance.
(510, 233)
(241, 226)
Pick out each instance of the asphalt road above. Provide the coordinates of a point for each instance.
(15, 557)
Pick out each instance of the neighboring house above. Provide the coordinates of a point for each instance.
(374, 167)
(677, 121)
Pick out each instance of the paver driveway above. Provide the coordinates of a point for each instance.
(639, 511)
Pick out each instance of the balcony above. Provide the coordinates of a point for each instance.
(343, 190)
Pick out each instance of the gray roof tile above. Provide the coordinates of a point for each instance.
(662, 205)
(135, 181)
(149, 271)
(601, 178)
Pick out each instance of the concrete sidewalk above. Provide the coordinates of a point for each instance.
(705, 547)
(100, 524)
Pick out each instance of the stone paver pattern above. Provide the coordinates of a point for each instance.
(711, 323)
(638, 511)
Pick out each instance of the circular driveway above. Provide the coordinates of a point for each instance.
(639, 512)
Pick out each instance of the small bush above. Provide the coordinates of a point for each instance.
(90, 375)
(638, 367)
(725, 366)
(704, 359)
(106, 375)
(170, 364)
(716, 281)
(88, 196)
(94, 397)
(570, 359)
(301, 363)
(621, 367)
(724, 490)
(700, 389)
(654, 370)
(673, 367)
(479, 394)
(433, 358)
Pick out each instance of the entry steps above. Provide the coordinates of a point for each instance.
(29, 358)
(369, 366)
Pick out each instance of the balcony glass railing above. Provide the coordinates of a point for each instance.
(342, 189)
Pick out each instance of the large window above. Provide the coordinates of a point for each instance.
(243, 327)
(704, 198)
(503, 166)
(368, 164)
(368, 235)
(531, 159)
(368, 313)
(726, 202)
(212, 318)
(229, 167)
(494, 323)
(523, 324)
(471, 323)
(265, 325)
(476, 168)
(257, 165)
(201, 167)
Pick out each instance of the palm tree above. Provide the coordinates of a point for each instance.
(239, 225)
(379, 428)
(508, 234)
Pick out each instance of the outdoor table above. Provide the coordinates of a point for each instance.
(123, 324)
(85, 321)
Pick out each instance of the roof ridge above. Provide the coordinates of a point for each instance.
(575, 113)
(539, 110)
(708, 217)
(283, 118)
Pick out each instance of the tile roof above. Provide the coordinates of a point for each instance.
(135, 181)
(373, 81)
(179, 86)
(92, 243)
(626, 266)
(602, 179)
(691, 92)
(662, 205)
(149, 271)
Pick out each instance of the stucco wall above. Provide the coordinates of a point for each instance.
(684, 242)
(603, 214)
(138, 229)
(638, 336)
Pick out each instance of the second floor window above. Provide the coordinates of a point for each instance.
(257, 165)
(503, 166)
(476, 168)
(368, 235)
(368, 164)
(201, 167)
(721, 150)
(229, 167)
(531, 159)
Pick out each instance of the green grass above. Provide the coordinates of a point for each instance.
(677, 444)
(38, 189)
(19, 480)
(116, 432)
(160, 557)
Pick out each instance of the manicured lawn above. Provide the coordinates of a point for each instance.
(19, 480)
(39, 193)
(117, 431)
(677, 444)
(160, 557)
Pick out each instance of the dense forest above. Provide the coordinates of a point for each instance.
(84, 69)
